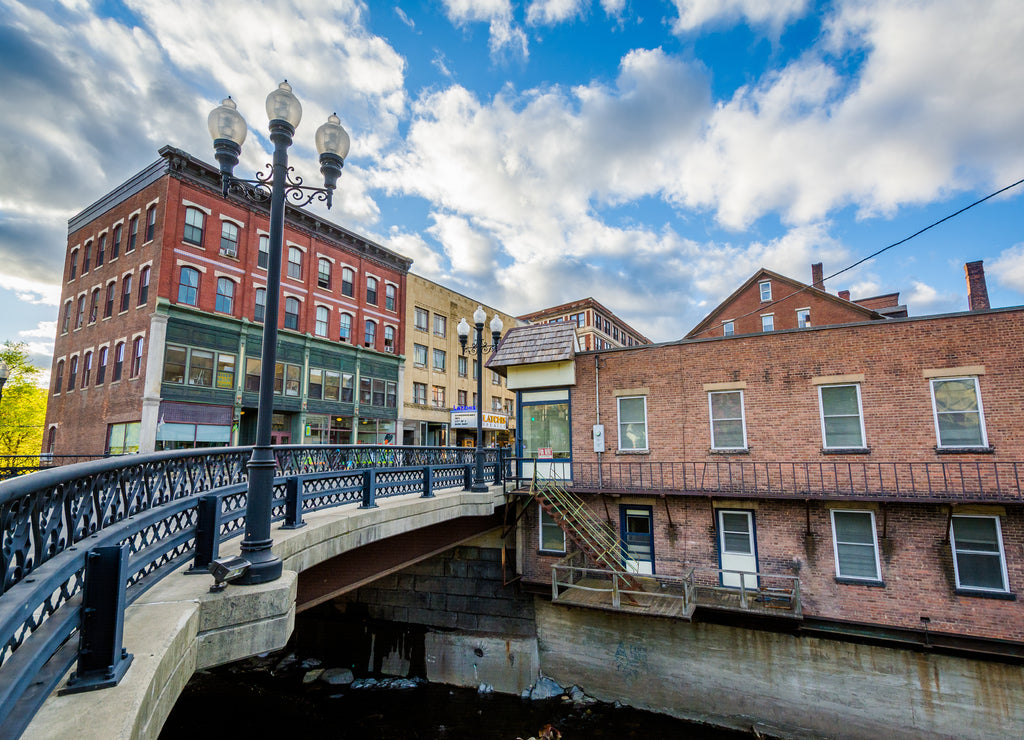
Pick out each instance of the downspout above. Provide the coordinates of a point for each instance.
(597, 405)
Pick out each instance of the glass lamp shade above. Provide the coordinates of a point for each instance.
(497, 325)
(463, 329)
(479, 316)
(282, 105)
(225, 122)
(332, 138)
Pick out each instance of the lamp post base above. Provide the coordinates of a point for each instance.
(263, 570)
(479, 488)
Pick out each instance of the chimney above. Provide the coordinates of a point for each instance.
(818, 276)
(977, 292)
(844, 294)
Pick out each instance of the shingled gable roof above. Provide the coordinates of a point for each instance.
(527, 345)
(711, 318)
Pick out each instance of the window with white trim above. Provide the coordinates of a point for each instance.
(347, 278)
(225, 295)
(421, 318)
(552, 537)
(632, 422)
(263, 253)
(322, 321)
(728, 328)
(766, 290)
(768, 322)
(978, 560)
(855, 545)
(291, 313)
(259, 308)
(228, 239)
(195, 221)
(842, 419)
(295, 263)
(956, 406)
(803, 318)
(345, 328)
(419, 355)
(728, 421)
(323, 275)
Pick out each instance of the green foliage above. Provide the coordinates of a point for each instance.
(23, 406)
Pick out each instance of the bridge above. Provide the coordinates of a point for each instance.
(97, 555)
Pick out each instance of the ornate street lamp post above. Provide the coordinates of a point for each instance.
(479, 316)
(228, 129)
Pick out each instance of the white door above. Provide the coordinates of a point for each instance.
(736, 545)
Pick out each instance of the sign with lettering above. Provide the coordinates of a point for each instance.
(467, 420)
(544, 452)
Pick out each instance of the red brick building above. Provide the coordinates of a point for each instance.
(877, 464)
(768, 301)
(160, 325)
(596, 326)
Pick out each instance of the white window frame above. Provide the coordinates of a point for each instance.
(728, 328)
(541, 525)
(877, 578)
(803, 318)
(767, 318)
(765, 288)
(860, 414)
(1002, 555)
(618, 416)
(743, 419)
(981, 413)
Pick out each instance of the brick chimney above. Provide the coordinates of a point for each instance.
(977, 291)
(818, 276)
(844, 294)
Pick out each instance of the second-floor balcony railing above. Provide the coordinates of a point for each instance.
(924, 482)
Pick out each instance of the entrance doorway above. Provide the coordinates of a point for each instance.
(737, 547)
(280, 438)
(637, 538)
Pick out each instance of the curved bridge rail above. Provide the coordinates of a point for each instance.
(159, 504)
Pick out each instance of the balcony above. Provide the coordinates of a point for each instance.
(919, 482)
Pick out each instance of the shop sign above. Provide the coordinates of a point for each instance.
(467, 420)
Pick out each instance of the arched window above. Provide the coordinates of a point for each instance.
(291, 313)
(345, 332)
(118, 362)
(72, 372)
(108, 308)
(150, 223)
(228, 239)
(80, 315)
(295, 263)
(259, 311)
(51, 440)
(143, 286)
(101, 367)
(115, 246)
(126, 292)
(371, 333)
(101, 250)
(347, 282)
(225, 295)
(136, 357)
(389, 339)
(371, 291)
(133, 234)
(73, 271)
(67, 318)
(322, 320)
(323, 276)
(60, 378)
(86, 369)
(86, 254)
(390, 295)
(263, 256)
(94, 305)
(195, 221)
(188, 286)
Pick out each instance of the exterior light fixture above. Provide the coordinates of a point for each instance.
(226, 570)
(479, 348)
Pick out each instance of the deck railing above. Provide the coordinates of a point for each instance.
(954, 481)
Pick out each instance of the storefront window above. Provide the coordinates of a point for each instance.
(546, 425)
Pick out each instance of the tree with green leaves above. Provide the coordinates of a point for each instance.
(23, 404)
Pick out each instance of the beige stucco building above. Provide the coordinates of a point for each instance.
(439, 384)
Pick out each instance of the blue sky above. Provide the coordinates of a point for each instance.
(650, 154)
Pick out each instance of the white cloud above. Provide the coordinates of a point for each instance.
(44, 329)
(1008, 268)
(924, 299)
(506, 38)
(553, 12)
(32, 291)
(404, 17)
(774, 14)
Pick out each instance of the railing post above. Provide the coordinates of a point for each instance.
(293, 504)
(102, 661)
(428, 482)
(369, 489)
(499, 471)
(743, 590)
(616, 597)
(207, 533)
(554, 583)
(468, 475)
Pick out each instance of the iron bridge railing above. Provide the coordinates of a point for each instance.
(165, 509)
(925, 482)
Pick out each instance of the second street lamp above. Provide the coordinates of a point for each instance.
(228, 129)
(479, 316)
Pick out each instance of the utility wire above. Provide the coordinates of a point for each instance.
(875, 254)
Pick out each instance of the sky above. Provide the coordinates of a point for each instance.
(652, 154)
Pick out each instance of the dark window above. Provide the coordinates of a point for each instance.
(323, 278)
(108, 310)
(67, 318)
(133, 234)
(143, 285)
(295, 263)
(126, 292)
(291, 313)
(101, 250)
(195, 221)
(101, 368)
(389, 339)
(347, 279)
(74, 265)
(229, 239)
(225, 295)
(136, 357)
(150, 223)
(252, 374)
(345, 331)
(115, 246)
(94, 306)
(371, 333)
(60, 377)
(86, 254)
(390, 292)
(322, 321)
(263, 256)
(118, 361)
(51, 442)
(80, 315)
(86, 369)
(72, 372)
(371, 291)
(260, 309)
(188, 286)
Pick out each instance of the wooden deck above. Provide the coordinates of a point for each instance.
(595, 593)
